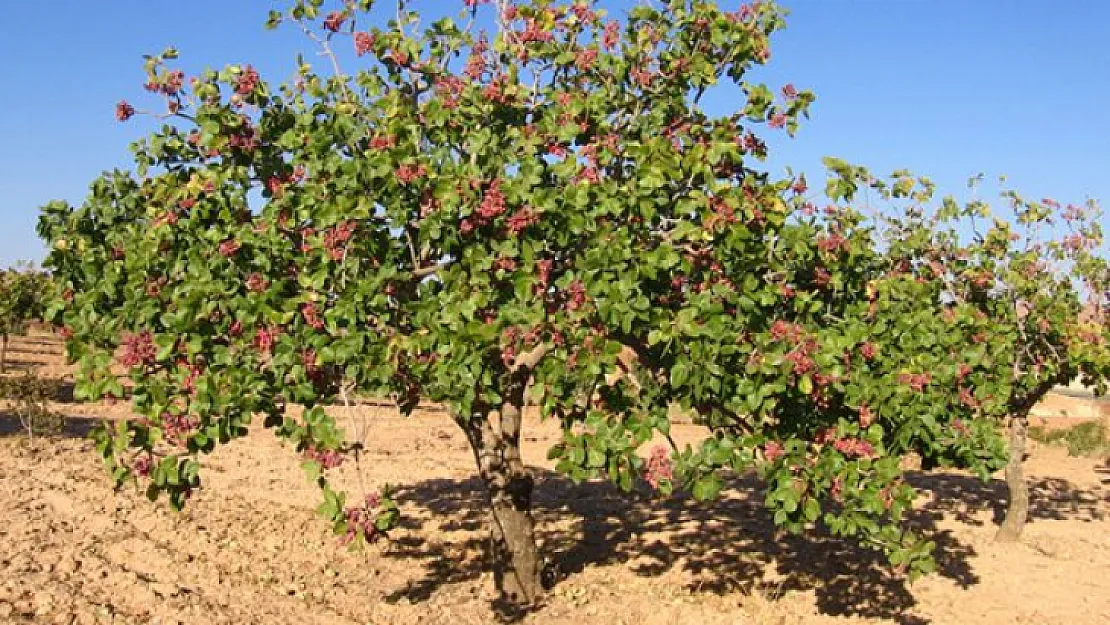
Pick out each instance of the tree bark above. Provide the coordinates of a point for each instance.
(513, 552)
(1017, 513)
(516, 561)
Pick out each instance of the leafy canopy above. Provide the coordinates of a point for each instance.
(465, 212)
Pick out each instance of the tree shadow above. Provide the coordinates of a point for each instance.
(16, 365)
(66, 388)
(966, 498)
(29, 354)
(1105, 470)
(72, 427)
(30, 346)
(728, 546)
(55, 345)
(375, 402)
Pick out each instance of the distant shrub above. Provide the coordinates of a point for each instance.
(21, 296)
(30, 396)
(1085, 439)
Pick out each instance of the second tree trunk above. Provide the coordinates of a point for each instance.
(1017, 513)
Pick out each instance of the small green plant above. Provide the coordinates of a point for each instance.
(30, 395)
(1085, 439)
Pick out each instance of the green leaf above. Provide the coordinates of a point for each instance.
(707, 487)
(680, 372)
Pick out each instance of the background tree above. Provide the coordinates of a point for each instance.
(1036, 272)
(472, 218)
(22, 290)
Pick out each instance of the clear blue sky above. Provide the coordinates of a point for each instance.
(947, 88)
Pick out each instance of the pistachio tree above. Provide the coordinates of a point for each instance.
(541, 209)
(22, 290)
(1036, 271)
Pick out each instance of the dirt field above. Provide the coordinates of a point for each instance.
(248, 549)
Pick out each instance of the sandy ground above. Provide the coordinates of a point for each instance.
(248, 548)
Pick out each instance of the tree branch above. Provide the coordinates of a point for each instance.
(528, 361)
(424, 272)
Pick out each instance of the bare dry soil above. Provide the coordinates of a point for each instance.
(248, 548)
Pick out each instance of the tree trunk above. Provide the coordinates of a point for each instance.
(516, 561)
(4, 355)
(1018, 511)
(513, 552)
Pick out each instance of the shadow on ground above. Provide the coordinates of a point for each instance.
(965, 498)
(71, 427)
(18, 365)
(725, 547)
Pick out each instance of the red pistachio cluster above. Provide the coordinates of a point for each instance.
(229, 247)
(658, 467)
(328, 458)
(312, 316)
(773, 450)
(124, 111)
(336, 239)
(264, 339)
(137, 349)
(407, 174)
(916, 381)
(169, 84)
(855, 448)
(247, 81)
(334, 21)
(361, 521)
(142, 465)
(176, 428)
(364, 43)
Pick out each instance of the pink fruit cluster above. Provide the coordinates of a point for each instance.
(361, 520)
(137, 349)
(169, 85)
(176, 428)
(407, 174)
(866, 416)
(611, 36)
(142, 465)
(312, 316)
(832, 242)
(520, 220)
(247, 81)
(335, 239)
(334, 21)
(773, 450)
(854, 447)
(256, 283)
(658, 466)
(328, 458)
(916, 381)
(801, 357)
(785, 331)
(576, 295)
(124, 111)
(869, 350)
(476, 64)
(246, 139)
(229, 247)
(450, 89)
(264, 339)
(364, 43)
